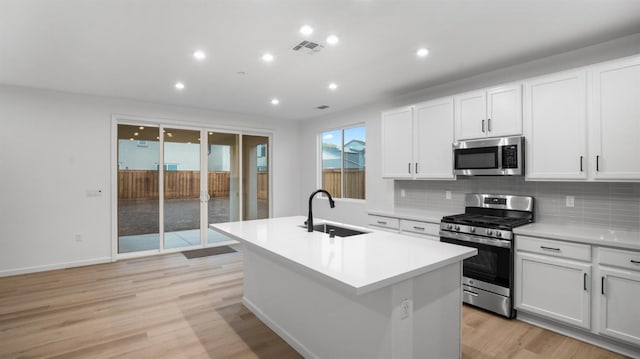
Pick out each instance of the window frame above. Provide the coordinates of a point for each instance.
(319, 165)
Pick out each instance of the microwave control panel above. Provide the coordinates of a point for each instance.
(510, 156)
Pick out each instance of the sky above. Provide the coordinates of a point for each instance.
(355, 133)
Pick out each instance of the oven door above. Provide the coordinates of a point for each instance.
(494, 262)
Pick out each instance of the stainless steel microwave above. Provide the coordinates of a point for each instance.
(503, 156)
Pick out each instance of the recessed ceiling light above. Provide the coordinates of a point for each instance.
(275, 101)
(179, 86)
(141, 127)
(135, 133)
(333, 86)
(306, 30)
(199, 55)
(267, 57)
(422, 52)
(332, 39)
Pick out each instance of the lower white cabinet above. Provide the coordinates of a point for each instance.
(553, 287)
(420, 229)
(619, 295)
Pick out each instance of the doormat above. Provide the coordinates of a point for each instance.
(205, 252)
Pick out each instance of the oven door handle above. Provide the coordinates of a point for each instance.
(475, 239)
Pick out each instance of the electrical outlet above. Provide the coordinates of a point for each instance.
(405, 309)
(570, 201)
(447, 194)
(403, 193)
(78, 237)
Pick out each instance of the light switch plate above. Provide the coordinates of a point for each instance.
(571, 201)
(447, 194)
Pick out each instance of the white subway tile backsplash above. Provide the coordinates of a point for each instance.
(614, 205)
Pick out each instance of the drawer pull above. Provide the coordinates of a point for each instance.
(382, 222)
(635, 262)
(473, 294)
(422, 229)
(584, 281)
(602, 285)
(550, 248)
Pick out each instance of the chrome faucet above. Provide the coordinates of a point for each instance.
(332, 204)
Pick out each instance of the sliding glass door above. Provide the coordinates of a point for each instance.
(172, 183)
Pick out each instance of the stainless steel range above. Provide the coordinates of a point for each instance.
(487, 224)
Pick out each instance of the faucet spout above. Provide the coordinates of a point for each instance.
(332, 204)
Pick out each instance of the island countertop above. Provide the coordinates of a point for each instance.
(361, 263)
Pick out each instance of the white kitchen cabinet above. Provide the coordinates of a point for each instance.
(416, 141)
(618, 295)
(489, 113)
(420, 229)
(614, 126)
(390, 224)
(555, 288)
(433, 138)
(555, 126)
(397, 146)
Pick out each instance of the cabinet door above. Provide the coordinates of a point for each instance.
(433, 138)
(397, 147)
(619, 305)
(555, 126)
(554, 288)
(504, 111)
(471, 115)
(615, 122)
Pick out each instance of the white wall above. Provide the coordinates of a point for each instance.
(379, 192)
(55, 146)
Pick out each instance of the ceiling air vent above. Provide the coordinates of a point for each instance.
(308, 47)
(322, 107)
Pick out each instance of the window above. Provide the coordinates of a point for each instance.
(343, 162)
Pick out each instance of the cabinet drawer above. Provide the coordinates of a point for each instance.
(385, 222)
(554, 248)
(619, 258)
(428, 228)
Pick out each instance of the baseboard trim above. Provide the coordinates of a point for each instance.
(48, 267)
(588, 337)
(282, 333)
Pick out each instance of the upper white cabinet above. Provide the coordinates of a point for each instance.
(555, 126)
(416, 141)
(433, 138)
(614, 126)
(397, 146)
(489, 113)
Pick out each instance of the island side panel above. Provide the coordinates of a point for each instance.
(322, 321)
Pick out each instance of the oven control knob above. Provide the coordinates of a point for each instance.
(457, 228)
(472, 229)
(449, 226)
(498, 234)
(489, 232)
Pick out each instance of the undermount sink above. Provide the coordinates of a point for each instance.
(339, 231)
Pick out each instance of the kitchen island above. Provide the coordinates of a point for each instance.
(373, 295)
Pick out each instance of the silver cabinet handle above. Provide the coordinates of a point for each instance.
(602, 284)
(470, 293)
(482, 126)
(550, 248)
(382, 222)
(597, 163)
(584, 281)
(418, 228)
(489, 125)
(416, 167)
(409, 167)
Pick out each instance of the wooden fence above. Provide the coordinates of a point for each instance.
(354, 183)
(140, 184)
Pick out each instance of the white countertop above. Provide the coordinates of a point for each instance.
(584, 234)
(415, 215)
(361, 263)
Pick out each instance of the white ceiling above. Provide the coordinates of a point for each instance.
(138, 49)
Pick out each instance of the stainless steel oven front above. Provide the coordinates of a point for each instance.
(487, 277)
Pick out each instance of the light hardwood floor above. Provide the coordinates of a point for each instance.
(172, 307)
